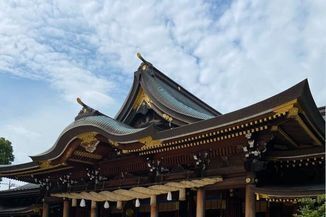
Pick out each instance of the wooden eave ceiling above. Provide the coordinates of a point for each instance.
(284, 192)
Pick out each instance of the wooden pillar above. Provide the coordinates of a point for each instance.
(66, 207)
(250, 207)
(154, 208)
(93, 209)
(45, 210)
(200, 208)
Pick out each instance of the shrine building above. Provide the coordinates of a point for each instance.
(167, 153)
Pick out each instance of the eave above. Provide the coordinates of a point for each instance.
(288, 193)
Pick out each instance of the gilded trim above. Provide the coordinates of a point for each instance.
(142, 97)
(89, 141)
(285, 107)
(149, 142)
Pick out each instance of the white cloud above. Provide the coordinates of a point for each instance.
(269, 44)
(39, 44)
(37, 130)
(230, 55)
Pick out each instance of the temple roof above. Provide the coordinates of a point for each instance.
(167, 98)
(193, 123)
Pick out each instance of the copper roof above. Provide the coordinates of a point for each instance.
(167, 97)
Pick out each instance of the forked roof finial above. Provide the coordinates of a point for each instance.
(142, 59)
(86, 110)
(80, 102)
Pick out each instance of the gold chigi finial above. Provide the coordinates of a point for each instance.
(85, 107)
(142, 59)
(80, 102)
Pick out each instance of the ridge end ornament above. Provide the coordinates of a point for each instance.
(85, 107)
(139, 56)
(86, 110)
(145, 63)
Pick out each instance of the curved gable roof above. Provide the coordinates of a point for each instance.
(167, 97)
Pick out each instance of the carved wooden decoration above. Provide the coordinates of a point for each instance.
(89, 141)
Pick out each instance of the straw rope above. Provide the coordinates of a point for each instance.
(132, 194)
(147, 191)
(139, 192)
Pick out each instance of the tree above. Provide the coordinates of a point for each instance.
(6, 152)
(312, 207)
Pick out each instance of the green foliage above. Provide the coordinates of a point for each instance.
(6, 151)
(312, 207)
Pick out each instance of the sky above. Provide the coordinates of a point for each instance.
(228, 53)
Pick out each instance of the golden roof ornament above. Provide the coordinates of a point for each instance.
(86, 110)
(88, 141)
(85, 107)
(145, 62)
(141, 58)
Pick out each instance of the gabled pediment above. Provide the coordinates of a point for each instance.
(156, 99)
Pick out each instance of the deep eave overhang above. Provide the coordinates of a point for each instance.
(280, 192)
(299, 92)
(19, 211)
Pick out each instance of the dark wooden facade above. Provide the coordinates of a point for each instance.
(165, 141)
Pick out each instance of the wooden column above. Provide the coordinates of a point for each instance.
(154, 208)
(250, 207)
(93, 209)
(66, 207)
(200, 208)
(45, 210)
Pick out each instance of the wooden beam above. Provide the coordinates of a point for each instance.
(294, 114)
(308, 130)
(81, 161)
(292, 143)
(234, 182)
(87, 155)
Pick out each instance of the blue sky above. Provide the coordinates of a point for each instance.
(229, 53)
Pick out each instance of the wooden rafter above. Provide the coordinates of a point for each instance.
(294, 114)
(280, 131)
